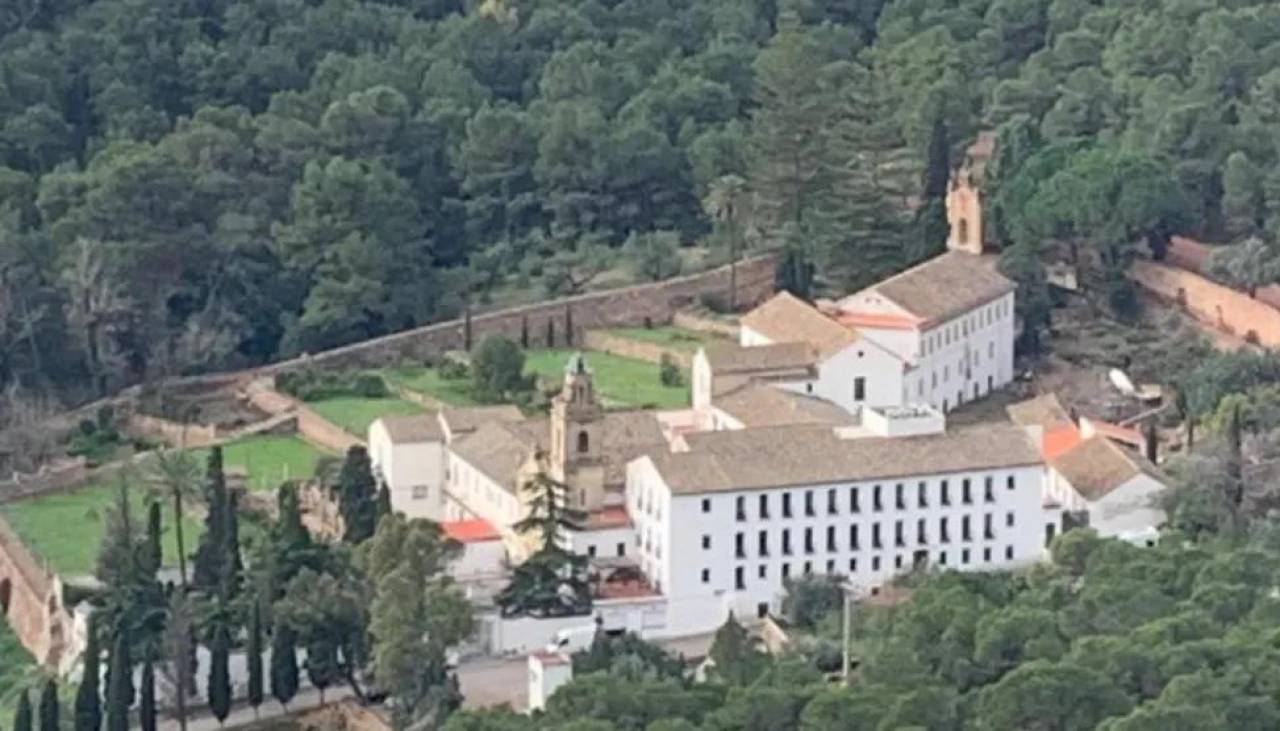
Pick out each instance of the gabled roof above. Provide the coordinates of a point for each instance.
(464, 420)
(497, 451)
(785, 318)
(750, 459)
(760, 359)
(944, 286)
(759, 404)
(1044, 410)
(413, 429)
(1097, 466)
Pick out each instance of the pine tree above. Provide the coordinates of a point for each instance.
(931, 226)
(284, 664)
(789, 170)
(22, 716)
(253, 655)
(147, 696)
(119, 684)
(219, 688)
(88, 703)
(49, 706)
(357, 496)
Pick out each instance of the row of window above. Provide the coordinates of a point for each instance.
(966, 557)
(920, 498)
(957, 329)
(806, 540)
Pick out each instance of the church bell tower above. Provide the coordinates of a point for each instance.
(576, 424)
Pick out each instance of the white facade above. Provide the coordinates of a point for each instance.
(715, 552)
(412, 471)
(473, 494)
(860, 375)
(1131, 511)
(547, 672)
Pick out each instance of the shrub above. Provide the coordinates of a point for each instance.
(669, 373)
(714, 301)
(370, 385)
(454, 370)
(310, 385)
(497, 368)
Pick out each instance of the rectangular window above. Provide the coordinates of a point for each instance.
(1008, 553)
(986, 555)
(900, 496)
(706, 505)
(742, 508)
(764, 507)
(854, 505)
(897, 561)
(591, 551)
(786, 542)
(922, 494)
(762, 541)
(943, 534)
(706, 542)
(875, 535)
(1009, 483)
(706, 576)
(622, 549)
(922, 536)
(988, 531)
(831, 566)
(942, 558)
(853, 538)
(831, 538)
(988, 489)
(853, 565)
(875, 563)
(964, 557)
(859, 389)
(966, 494)
(808, 568)
(786, 505)
(876, 505)
(762, 571)
(833, 507)
(808, 503)
(808, 540)
(739, 545)
(739, 579)
(899, 539)
(1008, 519)
(965, 532)
(786, 570)
(945, 493)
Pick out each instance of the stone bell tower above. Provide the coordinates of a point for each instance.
(964, 198)
(577, 425)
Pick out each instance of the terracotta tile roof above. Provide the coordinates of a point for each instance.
(414, 429)
(1097, 466)
(497, 451)
(1043, 410)
(470, 531)
(1060, 440)
(1124, 434)
(877, 320)
(944, 286)
(627, 435)
(463, 420)
(785, 318)
(759, 404)
(788, 357)
(764, 458)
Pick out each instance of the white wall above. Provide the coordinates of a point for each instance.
(645, 616)
(980, 341)
(606, 542)
(677, 554)
(414, 473)
(479, 559)
(748, 337)
(478, 496)
(1130, 512)
(882, 370)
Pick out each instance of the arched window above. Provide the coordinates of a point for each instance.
(584, 442)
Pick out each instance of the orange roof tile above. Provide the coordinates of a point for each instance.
(1118, 433)
(470, 531)
(1059, 440)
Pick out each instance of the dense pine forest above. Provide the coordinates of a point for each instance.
(200, 184)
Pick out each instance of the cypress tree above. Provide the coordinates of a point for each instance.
(568, 325)
(322, 663)
(147, 696)
(357, 496)
(119, 685)
(253, 655)
(384, 503)
(233, 565)
(284, 664)
(22, 717)
(207, 573)
(524, 331)
(466, 329)
(88, 703)
(551, 332)
(49, 706)
(154, 555)
(219, 689)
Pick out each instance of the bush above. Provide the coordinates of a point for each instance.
(454, 370)
(714, 301)
(310, 385)
(669, 373)
(370, 385)
(497, 367)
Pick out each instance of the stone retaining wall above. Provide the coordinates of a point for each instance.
(31, 597)
(173, 433)
(704, 324)
(1219, 307)
(617, 345)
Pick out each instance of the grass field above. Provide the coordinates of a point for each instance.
(673, 338)
(66, 529)
(356, 414)
(624, 382)
(270, 459)
(427, 381)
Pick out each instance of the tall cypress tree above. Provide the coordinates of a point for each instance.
(524, 331)
(219, 673)
(568, 325)
(49, 706)
(357, 496)
(119, 684)
(284, 664)
(153, 555)
(147, 696)
(22, 716)
(88, 704)
(322, 663)
(253, 655)
(208, 570)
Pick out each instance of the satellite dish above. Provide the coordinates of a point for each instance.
(1122, 382)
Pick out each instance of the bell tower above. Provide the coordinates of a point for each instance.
(964, 198)
(577, 423)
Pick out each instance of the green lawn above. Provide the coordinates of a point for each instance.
(356, 414)
(427, 381)
(624, 382)
(672, 338)
(17, 671)
(66, 529)
(270, 459)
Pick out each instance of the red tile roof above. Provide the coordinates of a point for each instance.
(878, 320)
(1059, 440)
(1131, 437)
(470, 531)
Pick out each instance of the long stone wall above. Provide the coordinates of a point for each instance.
(1219, 307)
(31, 596)
(604, 342)
(311, 426)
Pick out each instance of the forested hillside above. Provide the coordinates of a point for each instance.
(197, 184)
